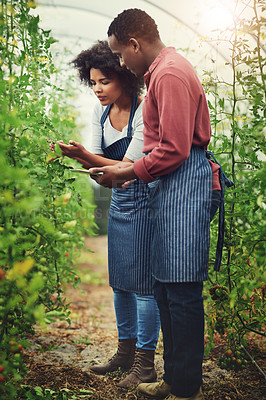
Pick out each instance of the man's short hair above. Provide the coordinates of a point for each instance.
(133, 23)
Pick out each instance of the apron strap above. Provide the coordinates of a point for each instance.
(103, 119)
(224, 181)
(134, 106)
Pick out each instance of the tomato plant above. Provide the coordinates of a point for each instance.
(41, 203)
(237, 293)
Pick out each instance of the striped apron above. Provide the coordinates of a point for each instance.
(129, 226)
(180, 205)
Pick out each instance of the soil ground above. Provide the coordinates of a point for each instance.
(59, 358)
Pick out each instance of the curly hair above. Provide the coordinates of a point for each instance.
(133, 23)
(100, 56)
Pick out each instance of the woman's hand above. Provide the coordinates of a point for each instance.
(52, 148)
(52, 145)
(72, 150)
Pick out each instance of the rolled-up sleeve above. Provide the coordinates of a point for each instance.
(173, 106)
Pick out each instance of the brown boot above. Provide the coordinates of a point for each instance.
(157, 390)
(142, 369)
(196, 396)
(123, 358)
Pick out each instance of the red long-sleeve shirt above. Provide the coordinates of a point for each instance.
(175, 115)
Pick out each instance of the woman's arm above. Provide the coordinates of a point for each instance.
(84, 164)
(88, 160)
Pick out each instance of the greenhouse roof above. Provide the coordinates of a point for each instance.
(185, 25)
(191, 26)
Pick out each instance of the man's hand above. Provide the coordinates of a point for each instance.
(72, 150)
(119, 175)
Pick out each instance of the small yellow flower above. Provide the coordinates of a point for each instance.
(10, 9)
(31, 4)
(11, 80)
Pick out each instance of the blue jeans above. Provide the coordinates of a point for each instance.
(137, 316)
(182, 320)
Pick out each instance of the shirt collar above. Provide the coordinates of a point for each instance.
(157, 60)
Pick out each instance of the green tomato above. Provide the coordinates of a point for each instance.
(15, 364)
(70, 224)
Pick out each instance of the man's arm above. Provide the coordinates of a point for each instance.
(119, 175)
(172, 118)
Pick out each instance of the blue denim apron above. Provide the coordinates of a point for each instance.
(180, 204)
(129, 227)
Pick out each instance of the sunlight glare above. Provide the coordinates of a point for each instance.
(217, 18)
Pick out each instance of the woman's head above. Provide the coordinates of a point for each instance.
(99, 56)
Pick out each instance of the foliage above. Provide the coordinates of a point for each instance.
(236, 295)
(42, 220)
(37, 393)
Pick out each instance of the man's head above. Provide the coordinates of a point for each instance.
(133, 23)
(134, 37)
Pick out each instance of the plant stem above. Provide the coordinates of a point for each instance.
(252, 360)
(259, 46)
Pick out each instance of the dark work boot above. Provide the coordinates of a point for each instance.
(142, 369)
(123, 358)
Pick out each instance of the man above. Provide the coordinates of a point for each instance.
(176, 134)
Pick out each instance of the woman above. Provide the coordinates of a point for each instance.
(117, 135)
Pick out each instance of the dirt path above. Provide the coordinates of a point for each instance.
(61, 356)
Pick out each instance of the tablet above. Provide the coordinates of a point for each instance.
(85, 171)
